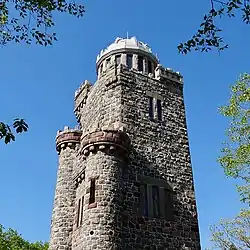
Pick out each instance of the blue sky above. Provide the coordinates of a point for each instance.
(39, 84)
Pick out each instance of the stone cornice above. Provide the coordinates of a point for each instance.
(111, 140)
(67, 138)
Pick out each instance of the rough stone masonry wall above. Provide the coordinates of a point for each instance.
(159, 150)
(103, 105)
(63, 211)
(102, 110)
(101, 228)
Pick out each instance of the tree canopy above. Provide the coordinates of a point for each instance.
(31, 20)
(234, 234)
(209, 34)
(235, 158)
(6, 131)
(11, 240)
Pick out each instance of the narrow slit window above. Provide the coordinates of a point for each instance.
(78, 213)
(92, 191)
(144, 199)
(151, 110)
(129, 61)
(140, 63)
(156, 201)
(118, 59)
(159, 110)
(150, 67)
(101, 68)
(82, 206)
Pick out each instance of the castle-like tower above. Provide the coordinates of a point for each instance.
(124, 178)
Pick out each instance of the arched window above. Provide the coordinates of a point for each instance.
(156, 198)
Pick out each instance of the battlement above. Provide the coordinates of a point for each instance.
(81, 96)
(67, 138)
(164, 74)
(86, 85)
(111, 140)
(115, 76)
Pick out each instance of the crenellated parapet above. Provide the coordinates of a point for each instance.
(110, 141)
(67, 138)
(164, 74)
(81, 96)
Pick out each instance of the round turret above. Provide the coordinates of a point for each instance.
(63, 210)
(67, 138)
(111, 140)
(130, 52)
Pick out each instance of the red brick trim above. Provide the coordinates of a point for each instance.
(92, 205)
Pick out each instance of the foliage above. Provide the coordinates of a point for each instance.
(29, 20)
(19, 125)
(208, 36)
(233, 234)
(235, 157)
(11, 240)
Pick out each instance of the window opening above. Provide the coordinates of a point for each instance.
(156, 198)
(107, 62)
(144, 199)
(140, 63)
(155, 201)
(118, 59)
(101, 68)
(129, 61)
(78, 212)
(159, 110)
(151, 110)
(82, 206)
(168, 204)
(149, 67)
(92, 191)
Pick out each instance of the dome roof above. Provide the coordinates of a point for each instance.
(121, 44)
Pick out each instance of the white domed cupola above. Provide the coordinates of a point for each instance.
(130, 52)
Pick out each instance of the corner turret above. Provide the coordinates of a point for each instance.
(63, 210)
(67, 138)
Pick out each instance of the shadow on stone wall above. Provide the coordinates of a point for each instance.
(139, 232)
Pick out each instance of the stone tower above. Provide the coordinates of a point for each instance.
(124, 178)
